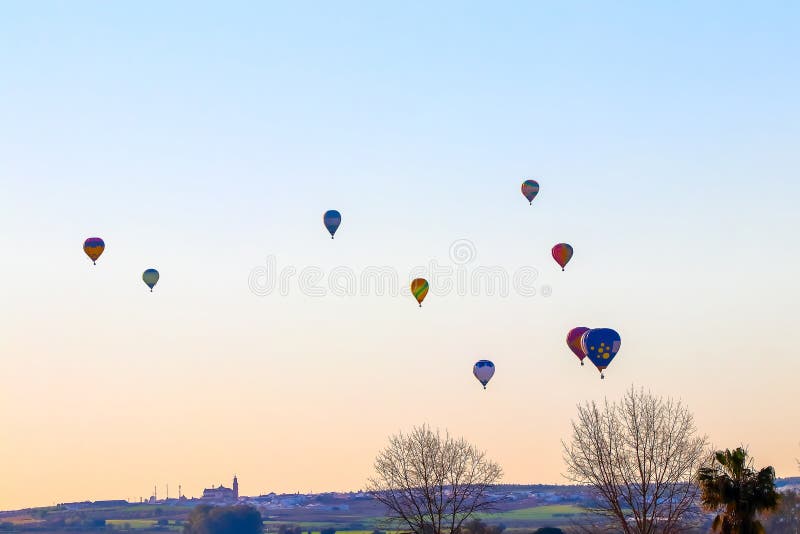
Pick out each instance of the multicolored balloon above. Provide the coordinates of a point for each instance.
(332, 220)
(419, 288)
(574, 341)
(562, 253)
(93, 247)
(602, 344)
(483, 371)
(150, 277)
(530, 188)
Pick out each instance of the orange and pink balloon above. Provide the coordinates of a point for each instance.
(562, 253)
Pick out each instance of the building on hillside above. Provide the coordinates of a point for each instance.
(110, 504)
(221, 493)
(75, 505)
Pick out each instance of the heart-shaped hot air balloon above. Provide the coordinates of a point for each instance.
(601, 344)
(419, 288)
(332, 220)
(562, 253)
(93, 247)
(530, 188)
(150, 277)
(574, 341)
(483, 371)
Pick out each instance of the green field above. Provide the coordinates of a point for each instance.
(314, 527)
(524, 517)
(138, 524)
(520, 521)
(537, 513)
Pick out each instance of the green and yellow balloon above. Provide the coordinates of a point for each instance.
(419, 288)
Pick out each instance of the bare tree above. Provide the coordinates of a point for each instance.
(432, 483)
(641, 456)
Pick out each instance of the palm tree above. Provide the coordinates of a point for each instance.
(732, 486)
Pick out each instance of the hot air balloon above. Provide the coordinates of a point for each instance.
(93, 247)
(574, 341)
(562, 253)
(419, 288)
(483, 371)
(582, 342)
(332, 220)
(530, 188)
(150, 277)
(601, 345)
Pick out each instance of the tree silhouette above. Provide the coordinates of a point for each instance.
(640, 456)
(734, 488)
(432, 483)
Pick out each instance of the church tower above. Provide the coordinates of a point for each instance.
(235, 488)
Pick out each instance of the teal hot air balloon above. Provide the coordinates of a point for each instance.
(332, 220)
(150, 277)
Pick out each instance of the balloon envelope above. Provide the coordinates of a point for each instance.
(530, 188)
(332, 220)
(93, 247)
(419, 288)
(582, 342)
(562, 253)
(483, 371)
(574, 341)
(602, 344)
(150, 277)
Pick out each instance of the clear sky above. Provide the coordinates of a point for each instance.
(204, 139)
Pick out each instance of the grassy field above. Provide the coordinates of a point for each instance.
(23, 520)
(516, 520)
(138, 524)
(537, 513)
(143, 518)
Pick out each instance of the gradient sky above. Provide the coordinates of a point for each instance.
(200, 139)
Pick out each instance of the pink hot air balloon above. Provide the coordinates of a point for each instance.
(574, 341)
(562, 253)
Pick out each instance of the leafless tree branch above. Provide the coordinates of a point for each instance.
(641, 456)
(431, 482)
